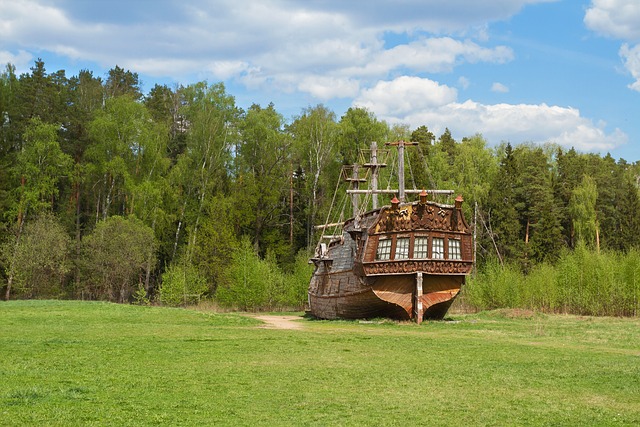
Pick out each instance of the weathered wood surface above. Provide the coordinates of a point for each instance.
(345, 295)
(350, 283)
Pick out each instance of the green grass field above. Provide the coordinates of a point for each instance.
(78, 363)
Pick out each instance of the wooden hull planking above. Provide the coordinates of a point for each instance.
(345, 295)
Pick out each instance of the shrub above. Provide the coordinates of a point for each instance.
(39, 259)
(583, 281)
(252, 283)
(182, 284)
(115, 257)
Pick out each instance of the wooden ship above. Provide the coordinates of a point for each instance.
(405, 261)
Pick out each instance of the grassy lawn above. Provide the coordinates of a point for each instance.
(78, 363)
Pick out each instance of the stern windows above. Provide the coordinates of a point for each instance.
(454, 249)
(421, 247)
(437, 248)
(402, 248)
(384, 249)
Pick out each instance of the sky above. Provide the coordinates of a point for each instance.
(518, 71)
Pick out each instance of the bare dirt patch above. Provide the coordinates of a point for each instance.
(279, 322)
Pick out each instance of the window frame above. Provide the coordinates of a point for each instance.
(387, 249)
(423, 248)
(457, 249)
(441, 247)
(407, 251)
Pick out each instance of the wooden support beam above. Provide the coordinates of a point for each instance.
(418, 309)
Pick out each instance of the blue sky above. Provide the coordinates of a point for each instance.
(562, 71)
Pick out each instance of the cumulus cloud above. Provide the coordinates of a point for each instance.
(326, 88)
(415, 101)
(232, 39)
(333, 49)
(403, 95)
(619, 19)
(499, 87)
(439, 55)
(21, 60)
(631, 59)
(614, 18)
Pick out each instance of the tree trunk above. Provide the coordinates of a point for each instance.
(78, 236)
(147, 275)
(12, 266)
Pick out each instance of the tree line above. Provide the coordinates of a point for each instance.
(179, 194)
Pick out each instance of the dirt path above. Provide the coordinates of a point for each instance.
(280, 322)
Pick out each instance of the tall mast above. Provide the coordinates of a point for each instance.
(401, 145)
(374, 174)
(375, 170)
(355, 181)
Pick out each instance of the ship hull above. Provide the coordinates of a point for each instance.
(346, 295)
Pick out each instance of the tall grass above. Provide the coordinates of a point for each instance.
(582, 282)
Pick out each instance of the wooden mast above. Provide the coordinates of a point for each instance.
(401, 145)
(355, 181)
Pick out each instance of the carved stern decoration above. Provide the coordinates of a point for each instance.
(428, 243)
(404, 261)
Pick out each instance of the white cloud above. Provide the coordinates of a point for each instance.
(614, 18)
(438, 55)
(619, 19)
(22, 60)
(499, 87)
(417, 102)
(403, 95)
(325, 88)
(463, 82)
(299, 41)
(631, 59)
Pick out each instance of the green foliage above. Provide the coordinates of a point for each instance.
(182, 284)
(582, 282)
(115, 256)
(38, 259)
(245, 282)
(358, 128)
(252, 283)
(263, 177)
(495, 286)
(297, 281)
(583, 210)
(39, 166)
(216, 241)
(199, 173)
(315, 132)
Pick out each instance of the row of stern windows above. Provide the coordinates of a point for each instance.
(423, 247)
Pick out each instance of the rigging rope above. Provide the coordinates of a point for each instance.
(413, 181)
(324, 227)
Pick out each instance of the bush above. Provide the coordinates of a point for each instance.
(252, 283)
(584, 282)
(39, 259)
(297, 282)
(182, 284)
(115, 257)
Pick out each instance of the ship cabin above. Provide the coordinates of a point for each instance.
(416, 237)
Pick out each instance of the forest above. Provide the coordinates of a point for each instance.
(178, 196)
